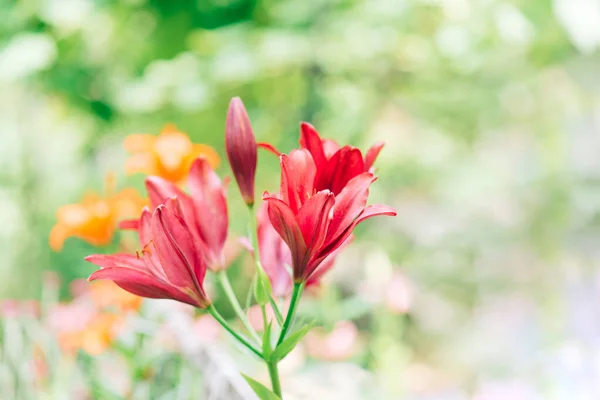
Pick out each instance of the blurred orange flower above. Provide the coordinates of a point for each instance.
(79, 325)
(100, 333)
(106, 294)
(168, 155)
(95, 219)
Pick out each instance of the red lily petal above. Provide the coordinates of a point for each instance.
(142, 284)
(117, 261)
(153, 262)
(129, 224)
(149, 254)
(208, 195)
(179, 257)
(349, 204)
(160, 189)
(144, 229)
(297, 178)
(284, 221)
(372, 154)
(274, 254)
(345, 164)
(311, 141)
(375, 210)
(336, 242)
(313, 219)
(330, 147)
(350, 164)
(326, 264)
(269, 147)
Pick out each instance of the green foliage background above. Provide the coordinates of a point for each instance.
(489, 110)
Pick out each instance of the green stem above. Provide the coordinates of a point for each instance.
(254, 241)
(240, 338)
(274, 374)
(253, 234)
(296, 294)
(226, 285)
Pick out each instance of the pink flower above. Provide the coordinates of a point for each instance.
(399, 294)
(337, 345)
(256, 319)
(275, 255)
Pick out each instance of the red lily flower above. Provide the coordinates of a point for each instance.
(314, 223)
(335, 165)
(171, 264)
(276, 258)
(205, 211)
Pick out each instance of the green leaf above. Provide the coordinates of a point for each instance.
(261, 390)
(288, 344)
(266, 344)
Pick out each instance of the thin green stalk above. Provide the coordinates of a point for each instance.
(239, 337)
(274, 375)
(254, 241)
(289, 318)
(276, 311)
(226, 285)
(250, 292)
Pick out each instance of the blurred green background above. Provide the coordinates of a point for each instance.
(491, 114)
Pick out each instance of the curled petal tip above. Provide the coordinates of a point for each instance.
(265, 195)
(269, 147)
(92, 277)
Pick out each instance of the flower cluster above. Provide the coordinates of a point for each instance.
(183, 234)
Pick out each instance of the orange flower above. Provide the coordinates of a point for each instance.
(100, 333)
(106, 294)
(95, 218)
(168, 155)
(80, 325)
(95, 338)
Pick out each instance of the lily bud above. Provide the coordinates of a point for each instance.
(241, 148)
